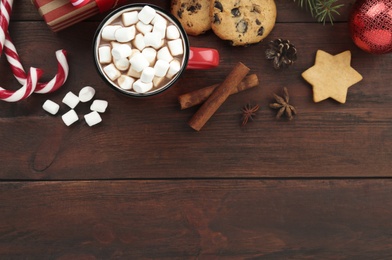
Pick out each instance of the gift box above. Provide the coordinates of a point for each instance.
(60, 14)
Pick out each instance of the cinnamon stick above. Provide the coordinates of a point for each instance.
(199, 96)
(218, 96)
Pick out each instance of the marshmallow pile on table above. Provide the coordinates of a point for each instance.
(143, 51)
(71, 100)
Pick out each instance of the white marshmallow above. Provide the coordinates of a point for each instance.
(159, 19)
(157, 81)
(160, 28)
(150, 54)
(143, 28)
(176, 47)
(104, 54)
(153, 39)
(161, 68)
(134, 74)
(172, 32)
(164, 54)
(174, 68)
(125, 34)
(121, 51)
(71, 100)
(125, 82)
(147, 75)
(138, 42)
(70, 117)
(112, 72)
(93, 118)
(51, 107)
(130, 18)
(108, 33)
(99, 105)
(134, 51)
(146, 14)
(122, 64)
(86, 94)
(141, 87)
(114, 44)
(138, 62)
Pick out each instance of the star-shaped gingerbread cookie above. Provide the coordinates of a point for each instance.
(331, 76)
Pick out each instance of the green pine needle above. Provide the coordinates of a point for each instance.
(321, 9)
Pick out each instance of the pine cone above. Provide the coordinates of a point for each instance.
(282, 52)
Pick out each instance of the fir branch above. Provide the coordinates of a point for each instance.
(321, 9)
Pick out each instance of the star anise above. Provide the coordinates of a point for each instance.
(248, 112)
(283, 105)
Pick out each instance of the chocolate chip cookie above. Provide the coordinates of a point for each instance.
(193, 15)
(242, 22)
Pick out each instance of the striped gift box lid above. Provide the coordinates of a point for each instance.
(60, 14)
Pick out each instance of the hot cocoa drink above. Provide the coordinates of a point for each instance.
(140, 50)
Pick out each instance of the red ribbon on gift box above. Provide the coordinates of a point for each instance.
(61, 14)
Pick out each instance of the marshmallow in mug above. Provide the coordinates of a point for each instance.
(148, 42)
(130, 18)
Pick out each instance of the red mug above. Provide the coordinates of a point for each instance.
(192, 57)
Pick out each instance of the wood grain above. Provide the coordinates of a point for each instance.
(237, 219)
(144, 185)
(151, 139)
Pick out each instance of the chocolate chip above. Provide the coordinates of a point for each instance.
(179, 13)
(191, 9)
(242, 26)
(216, 19)
(256, 9)
(235, 12)
(194, 8)
(260, 32)
(218, 5)
(258, 22)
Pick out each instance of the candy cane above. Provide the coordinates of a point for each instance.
(25, 91)
(29, 81)
(5, 12)
(17, 68)
(34, 74)
(79, 3)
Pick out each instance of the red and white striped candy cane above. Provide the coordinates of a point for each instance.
(25, 91)
(17, 68)
(32, 79)
(5, 13)
(29, 81)
(79, 3)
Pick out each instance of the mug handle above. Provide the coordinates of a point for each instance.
(203, 58)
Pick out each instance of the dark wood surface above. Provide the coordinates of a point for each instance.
(144, 185)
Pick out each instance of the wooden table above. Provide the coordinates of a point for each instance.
(143, 184)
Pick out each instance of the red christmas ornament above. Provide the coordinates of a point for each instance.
(371, 25)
